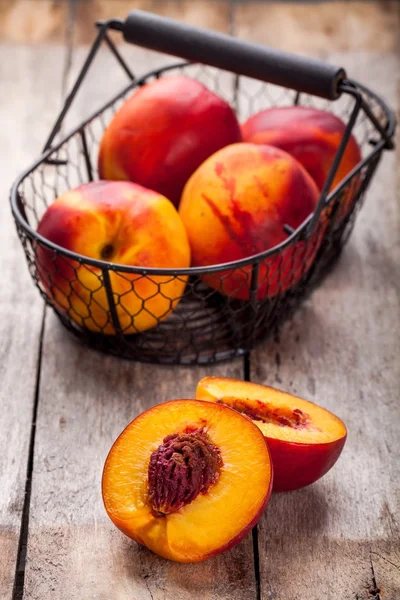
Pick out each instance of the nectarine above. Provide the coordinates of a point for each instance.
(310, 135)
(164, 132)
(236, 205)
(305, 440)
(119, 222)
(187, 479)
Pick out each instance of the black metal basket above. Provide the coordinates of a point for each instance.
(205, 324)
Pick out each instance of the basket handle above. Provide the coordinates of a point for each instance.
(226, 52)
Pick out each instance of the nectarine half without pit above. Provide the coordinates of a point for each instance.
(164, 132)
(188, 479)
(310, 135)
(305, 440)
(122, 223)
(236, 205)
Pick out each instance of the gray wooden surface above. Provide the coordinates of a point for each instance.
(26, 113)
(336, 540)
(342, 350)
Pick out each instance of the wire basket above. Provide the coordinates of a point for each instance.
(104, 304)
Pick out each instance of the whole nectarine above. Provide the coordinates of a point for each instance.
(305, 440)
(187, 479)
(236, 204)
(310, 135)
(164, 132)
(122, 223)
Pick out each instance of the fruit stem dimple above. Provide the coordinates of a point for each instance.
(182, 467)
(107, 251)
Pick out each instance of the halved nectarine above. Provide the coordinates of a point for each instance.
(304, 439)
(187, 479)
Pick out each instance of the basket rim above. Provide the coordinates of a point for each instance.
(254, 259)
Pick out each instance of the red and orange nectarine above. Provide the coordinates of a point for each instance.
(164, 132)
(123, 223)
(305, 440)
(187, 479)
(310, 135)
(236, 205)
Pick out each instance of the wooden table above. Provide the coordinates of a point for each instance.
(63, 405)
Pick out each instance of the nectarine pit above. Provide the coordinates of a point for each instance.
(182, 467)
(267, 413)
(107, 251)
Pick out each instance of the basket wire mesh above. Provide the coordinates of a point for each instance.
(100, 302)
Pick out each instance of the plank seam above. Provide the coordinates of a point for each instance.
(231, 17)
(246, 357)
(145, 575)
(374, 592)
(254, 533)
(256, 557)
(246, 368)
(19, 579)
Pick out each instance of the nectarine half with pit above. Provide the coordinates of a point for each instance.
(310, 135)
(187, 479)
(122, 223)
(305, 440)
(236, 204)
(164, 132)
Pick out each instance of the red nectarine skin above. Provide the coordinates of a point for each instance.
(305, 440)
(311, 136)
(302, 464)
(236, 204)
(164, 132)
(123, 223)
(174, 479)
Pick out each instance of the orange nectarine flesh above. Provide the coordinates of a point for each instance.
(305, 439)
(187, 479)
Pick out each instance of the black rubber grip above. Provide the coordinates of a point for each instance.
(226, 52)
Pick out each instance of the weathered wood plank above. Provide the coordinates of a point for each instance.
(339, 538)
(86, 399)
(33, 21)
(38, 21)
(24, 106)
(202, 13)
(321, 27)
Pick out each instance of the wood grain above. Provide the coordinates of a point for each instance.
(23, 106)
(85, 400)
(339, 539)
